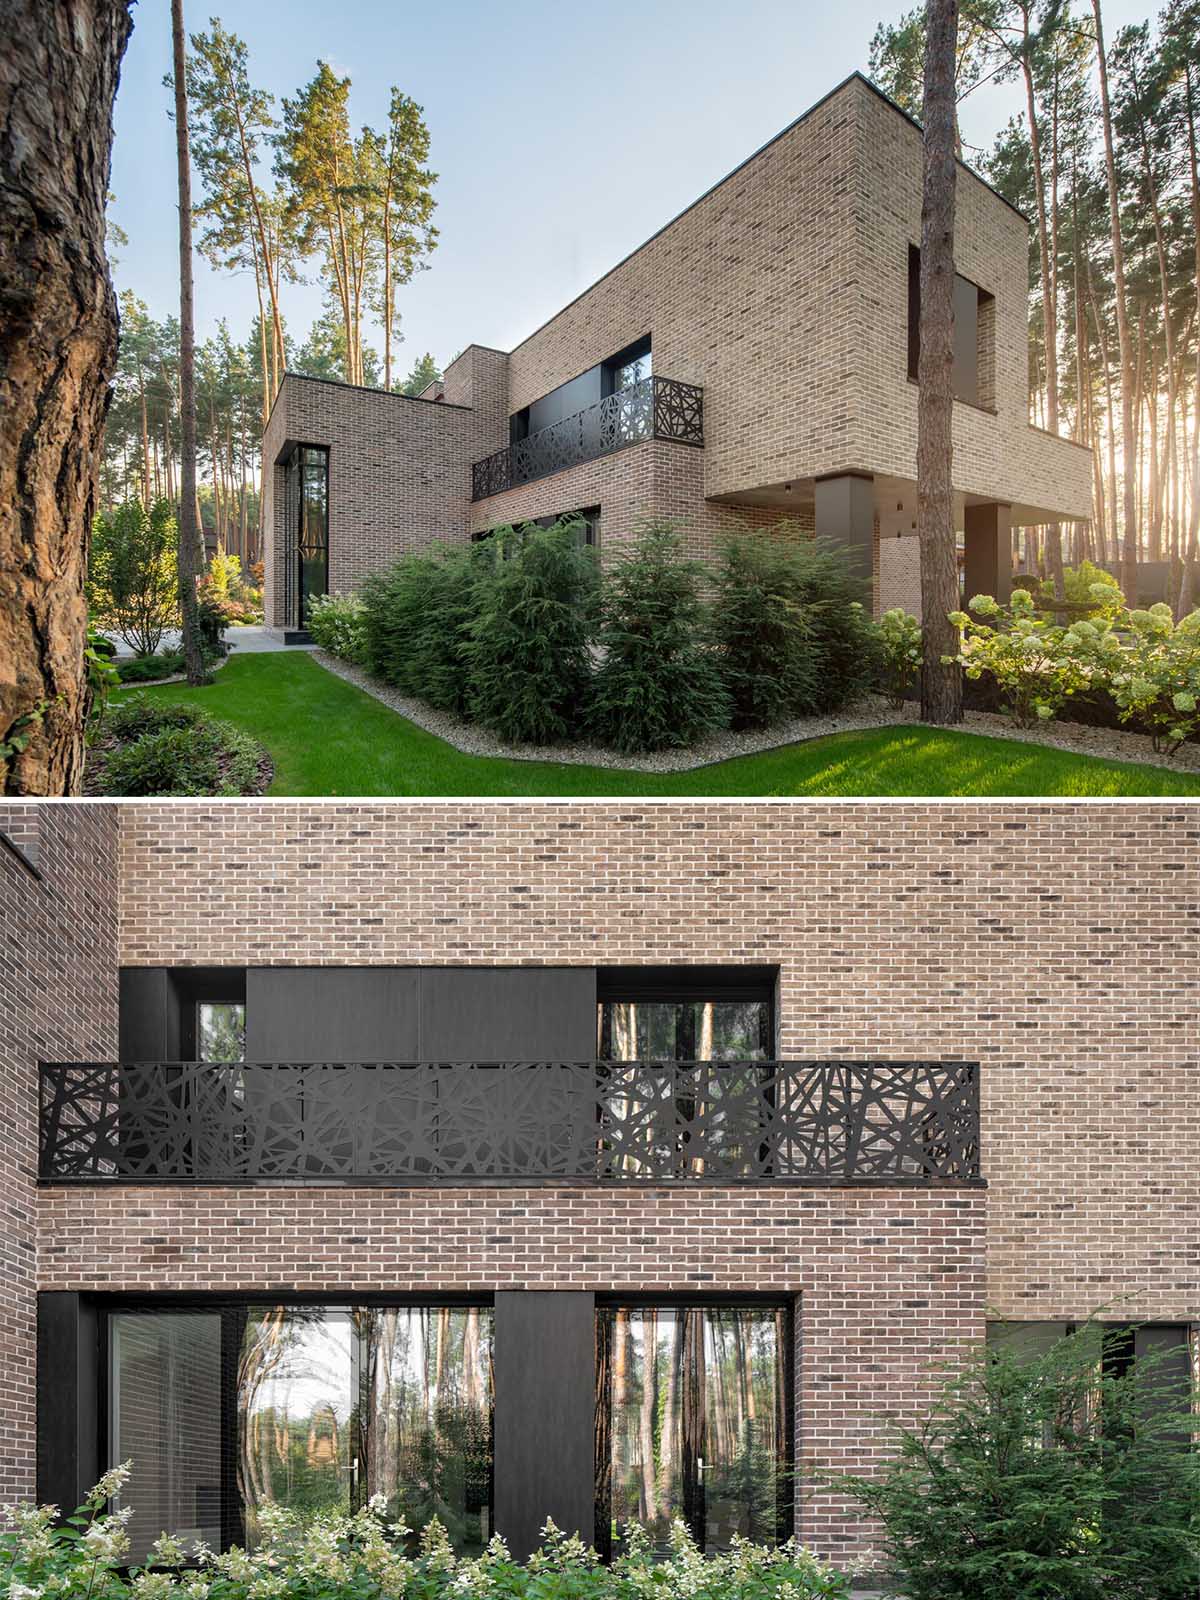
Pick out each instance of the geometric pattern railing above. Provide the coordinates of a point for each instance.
(654, 408)
(580, 1122)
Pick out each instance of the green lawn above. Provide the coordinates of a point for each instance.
(328, 738)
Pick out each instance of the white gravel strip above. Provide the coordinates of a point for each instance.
(873, 711)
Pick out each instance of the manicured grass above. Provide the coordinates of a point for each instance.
(328, 738)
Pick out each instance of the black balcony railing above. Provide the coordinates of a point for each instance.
(655, 408)
(586, 1122)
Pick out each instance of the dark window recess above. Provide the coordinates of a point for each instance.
(693, 1421)
(619, 372)
(212, 1014)
(306, 530)
(686, 1014)
(314, 1407)
(969, 378)
(588, 520)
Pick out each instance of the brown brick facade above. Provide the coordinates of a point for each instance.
(889, 1281)
(783, 293)
(58, 1000)
(1057, 945)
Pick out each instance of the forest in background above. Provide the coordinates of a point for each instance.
(1103, 158)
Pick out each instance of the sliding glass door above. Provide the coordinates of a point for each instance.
(692, 1422)
(312, 1407)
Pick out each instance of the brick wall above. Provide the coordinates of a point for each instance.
(656, 480)
(890, 1281)
(399, 471)
(58, 1000)
(1059, 945)
(997, 456)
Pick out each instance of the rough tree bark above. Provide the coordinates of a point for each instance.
(59, 69)
(191, 546)
(941, 685)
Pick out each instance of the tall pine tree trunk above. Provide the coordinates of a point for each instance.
(941, 685)
(59, 65)
(1129, 546)
(191, 540)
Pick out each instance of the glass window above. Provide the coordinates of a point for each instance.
(426, 1417)
(692, 1422)
(165, 1415)
(220, 1031)
(294, 1403)
(313, 1407)
(314, 527)
(685, 1030)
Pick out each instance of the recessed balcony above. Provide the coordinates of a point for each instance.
(654, 408)
(404, 1123)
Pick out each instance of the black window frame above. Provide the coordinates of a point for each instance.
(233, 1308)
(294, 466)
(787, 1306)
(688, 985)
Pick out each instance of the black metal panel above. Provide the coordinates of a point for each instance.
(485, 1013)
(332, 1013)
(655, 408)
(544, 1459)
(149, 1015)
(68, 1421)
(625, 1122)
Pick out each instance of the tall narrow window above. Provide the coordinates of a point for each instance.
(306, 530)
(164, 1414)
(425, 1401)
(314, 527)
(693, 1423)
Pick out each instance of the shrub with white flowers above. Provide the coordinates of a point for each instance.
(899, 638)
(364, 1556)
(337, 622)
(1037, 664)
(1155, 677)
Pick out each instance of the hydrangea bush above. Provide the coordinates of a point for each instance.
(1147, 663)
(1037, 664)
(337, 623)
(900, 653)
(1155, 677)
(367, 1557)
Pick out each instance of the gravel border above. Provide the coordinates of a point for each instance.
(176, 677)
(874, 711)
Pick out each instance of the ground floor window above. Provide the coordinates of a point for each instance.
(586, 520)
(306, 530)
(693, 1412)
(312, 1407)
(227, 1407)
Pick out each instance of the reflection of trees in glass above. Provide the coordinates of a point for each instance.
(686, 1030)
(695, 1420)
(293, 1403)
(222, 1032)
(425, 1415)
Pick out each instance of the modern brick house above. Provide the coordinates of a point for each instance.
(754, 361)
(948, 1076)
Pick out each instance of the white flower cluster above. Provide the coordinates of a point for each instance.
(370, 1556)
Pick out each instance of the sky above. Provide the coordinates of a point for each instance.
(564, 134)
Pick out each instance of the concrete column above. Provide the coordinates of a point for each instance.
(845, 514)
(987, 567)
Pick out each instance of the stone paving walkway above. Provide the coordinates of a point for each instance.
(250, 641)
